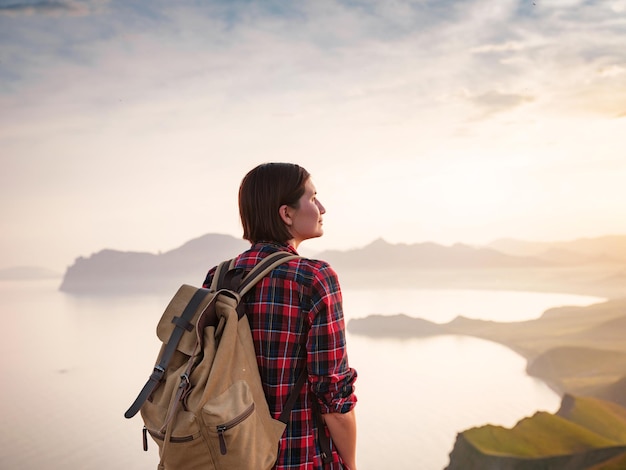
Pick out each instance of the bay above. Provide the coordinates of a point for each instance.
(72, 365)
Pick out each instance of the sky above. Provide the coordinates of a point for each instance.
(129, 124)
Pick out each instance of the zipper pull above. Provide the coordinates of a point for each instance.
(220, 434)
(145, 439)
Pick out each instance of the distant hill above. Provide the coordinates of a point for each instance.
(566, 367)
(610, 248)
(615, 392)
(381, 254)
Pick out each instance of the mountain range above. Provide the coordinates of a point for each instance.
(591, 266)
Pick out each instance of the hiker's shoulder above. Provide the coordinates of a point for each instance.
(317, 274)
(315, 265)
(302, 268)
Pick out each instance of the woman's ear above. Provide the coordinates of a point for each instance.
(285, 214)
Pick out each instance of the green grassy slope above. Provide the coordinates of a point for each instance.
(586, 433)
(542, 435)
(603, 418)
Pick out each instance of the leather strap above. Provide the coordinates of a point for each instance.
(322, 437)
(293, 397)
(159, 370)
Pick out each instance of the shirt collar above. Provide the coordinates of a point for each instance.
(274, 246)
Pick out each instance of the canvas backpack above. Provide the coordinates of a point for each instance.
(204, 403)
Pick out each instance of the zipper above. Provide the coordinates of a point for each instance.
(222, 428)
(161, 437)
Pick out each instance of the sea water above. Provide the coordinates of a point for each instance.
(71, 365)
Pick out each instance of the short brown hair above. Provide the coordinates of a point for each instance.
(263, 190)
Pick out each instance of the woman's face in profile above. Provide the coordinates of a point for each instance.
(305, 221)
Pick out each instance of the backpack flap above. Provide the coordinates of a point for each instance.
(174, 316)
(175, 333)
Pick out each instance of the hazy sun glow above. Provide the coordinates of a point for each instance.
(130, 126)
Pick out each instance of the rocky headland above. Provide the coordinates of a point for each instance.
(123, 272)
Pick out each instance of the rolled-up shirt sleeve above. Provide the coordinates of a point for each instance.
(330, 375)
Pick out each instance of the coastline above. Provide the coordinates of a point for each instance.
(581, 331)
(578, 352)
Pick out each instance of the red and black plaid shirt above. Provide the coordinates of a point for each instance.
(296, 319)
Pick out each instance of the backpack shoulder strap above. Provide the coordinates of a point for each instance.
(220, 274)
(266, 265)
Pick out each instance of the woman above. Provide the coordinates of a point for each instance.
(296, 318)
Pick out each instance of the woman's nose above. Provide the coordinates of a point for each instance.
(321, 207)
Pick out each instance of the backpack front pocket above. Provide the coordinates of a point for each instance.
(186, 448)
(234, 427)
(223, 428)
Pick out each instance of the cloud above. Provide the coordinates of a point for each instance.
(493, 102)
(351, 64)
(382, 61)
(508, 46)
(50, 8)
(611, 71)
(618, 6)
